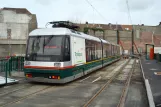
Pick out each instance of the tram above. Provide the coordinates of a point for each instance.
(61, 54)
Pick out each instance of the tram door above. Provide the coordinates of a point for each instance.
(79, 51)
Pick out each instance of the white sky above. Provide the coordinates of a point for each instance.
(142, 11)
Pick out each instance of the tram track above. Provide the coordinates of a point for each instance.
(105, 71)
(24, 97)
(23, 89)
(104, 86)
(91, 94)
(125, 88)
(17, 89)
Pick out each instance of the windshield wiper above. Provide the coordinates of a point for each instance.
(48, 40)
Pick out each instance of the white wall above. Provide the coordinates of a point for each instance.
(3, 31)
(18, 23)
(13, 17)
(18, 31)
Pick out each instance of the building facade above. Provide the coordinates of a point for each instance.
(15, 25)
(142, 34)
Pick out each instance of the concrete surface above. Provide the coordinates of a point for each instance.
(9, 80)
(74, 94)
(109, 97)
(17, 74)
(149, 68)
(137, 96)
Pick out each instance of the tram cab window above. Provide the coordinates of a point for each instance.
(45, 48)
(67, 49)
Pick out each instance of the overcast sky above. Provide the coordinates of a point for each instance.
(147, 12)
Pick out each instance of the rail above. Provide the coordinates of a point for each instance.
(105, 85)
(125, 89)
(25, 97)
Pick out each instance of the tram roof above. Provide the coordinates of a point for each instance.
(64, 31)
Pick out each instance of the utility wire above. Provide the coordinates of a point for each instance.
(127, 3)
(96, 10)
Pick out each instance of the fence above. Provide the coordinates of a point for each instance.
(157, 57)
(11, 64)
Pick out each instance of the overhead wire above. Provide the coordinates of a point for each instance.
(96, 10)
(128, 9)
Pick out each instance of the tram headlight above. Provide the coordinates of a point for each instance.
(57, 64)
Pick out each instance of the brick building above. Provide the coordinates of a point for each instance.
(142, 34)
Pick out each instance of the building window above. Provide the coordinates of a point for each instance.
(8, 33)
(137, 34)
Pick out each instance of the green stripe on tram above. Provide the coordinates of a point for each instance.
(71, 71)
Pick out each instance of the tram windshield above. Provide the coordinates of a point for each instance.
(44, 48)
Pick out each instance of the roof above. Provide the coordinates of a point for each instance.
(50, 31)
(18, 10)
(64, 31)
(103, 26)
(125, 27)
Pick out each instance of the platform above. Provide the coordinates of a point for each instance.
(9, 81)
(152, 72)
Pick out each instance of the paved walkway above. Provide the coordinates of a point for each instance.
(152, 72)
(9, 80)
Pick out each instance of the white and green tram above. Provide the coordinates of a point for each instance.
(61, 55)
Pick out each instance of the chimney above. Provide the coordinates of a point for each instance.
(86, 24)
(99, 26)
(159, 23)
(110, 25)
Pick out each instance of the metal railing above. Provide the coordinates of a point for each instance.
(14, 63)
(9, 64)
(157, 57)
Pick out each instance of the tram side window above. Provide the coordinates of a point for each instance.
(105, 50)
(98, 50)
(67, 49)
(117, 50)
(114, 50)
(93, 50)
(88, 50)
(111, 50)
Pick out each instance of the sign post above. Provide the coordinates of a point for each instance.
(9, 48)
(9, 37)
